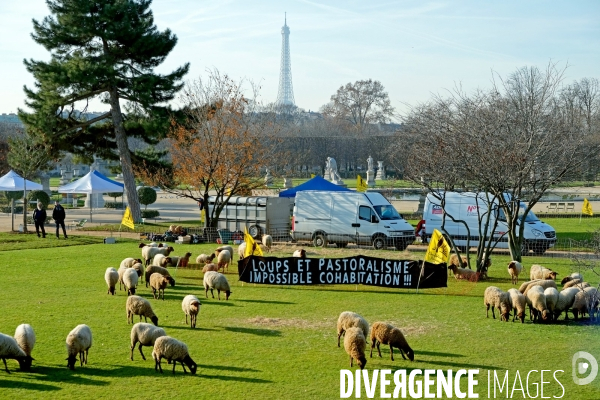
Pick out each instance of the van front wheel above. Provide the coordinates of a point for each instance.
(379, 243)
(320, 240)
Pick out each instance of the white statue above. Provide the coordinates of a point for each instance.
(370, 163)
(268, 178)
(331, 171)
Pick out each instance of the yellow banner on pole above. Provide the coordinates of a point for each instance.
(361, 185)
(587, 208)
(252, 248)
(128, 219)
(438, 251)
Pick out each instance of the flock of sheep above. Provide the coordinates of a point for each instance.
(542, 297)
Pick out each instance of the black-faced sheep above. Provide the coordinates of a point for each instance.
(148, 252)
(586, 301)
(300, 253)
(215, 280)
(566, 297)
(10, 350)
(111, 276)
(191, 306)
(355, 345)
(79, 342)
(574, 275)
(349, 319)
(158, 283)
(551, 300)
(173, 350)
(382, 333)
(544, 283)
(205, 258)
(130, 280)
(496, 298)
(144, 334)
(137, 305)
(160, 260)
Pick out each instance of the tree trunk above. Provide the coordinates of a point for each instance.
(125, 157)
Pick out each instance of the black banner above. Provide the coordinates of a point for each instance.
(402, 274)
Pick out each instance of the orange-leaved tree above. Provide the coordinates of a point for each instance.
(220, 148)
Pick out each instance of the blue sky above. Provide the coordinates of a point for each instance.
(415, 48)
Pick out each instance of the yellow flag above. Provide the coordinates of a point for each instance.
(587, 208)
(252, 248)
(361, 185)
(128, 219)
(438, 250)
(312, 176)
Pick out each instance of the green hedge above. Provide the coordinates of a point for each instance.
(111, 204)
(150, 213)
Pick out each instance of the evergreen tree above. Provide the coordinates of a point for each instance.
(104, 49)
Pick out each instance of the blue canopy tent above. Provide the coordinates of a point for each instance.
(316, 183)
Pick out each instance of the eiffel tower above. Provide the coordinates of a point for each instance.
(285, 94)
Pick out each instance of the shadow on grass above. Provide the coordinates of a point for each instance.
(456, 364)
(227, 368)
(8, 384)
(253, 331)
(436, 354)
(236, 378)
(81, 374)
(187, 327)
(267, 301)
(217, 302)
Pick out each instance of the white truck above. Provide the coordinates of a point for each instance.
(538, 236)
(349, 217)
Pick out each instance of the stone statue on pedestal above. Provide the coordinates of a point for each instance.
(268, 178)
(380, 171)
(332, 172)
(370, 172)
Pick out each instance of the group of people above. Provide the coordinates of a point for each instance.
(58, 215)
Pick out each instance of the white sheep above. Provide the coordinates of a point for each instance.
(576, 283)
(144, 334)
(148, 252)
(173, 350)
(191, 306)
(210, 267)
(540, 272)
(9, 349)
(205, 258)
(221, 248)
(137, 305)
(215, 280)
(518, 303)
(551, 300)
(160, 260)
(25, 337)
(514, 269)
(129, 262)
(586, 301)
(111, 276)
(574, 275)
(300, 253)
(158, 283)
(242, 250)
(267, 241)
(349, 319)
(496, 298)
(355, 345)
(223, 259)
(536, 300)
(130, 280)
(151, 269)
(566, 297)
(544, 283)
(79, 342)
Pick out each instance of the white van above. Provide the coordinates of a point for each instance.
(538, 235)
(349, 217)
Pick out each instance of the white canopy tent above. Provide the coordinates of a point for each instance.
(13, 182)
(92, 182)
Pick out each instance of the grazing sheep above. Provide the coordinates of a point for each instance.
(158, 282)
(25, 337)
(111, 276)
(223, 259)
(173, 350)
(148, 252)
(551, 300)
(221, 248)
(129, 262)
(496, 298)
(566, 297)
(9, 349)
(518, 303)
(453, 260)
(163, 271)
(382, 333)
(145, 334)
(214, 280)
(205, 258)
(586, 301)
(130, 280)
(540, 272)
(355, 345)
(151, 244)
(137, 305)
(242, 250)
(210, 267)
(544, 283)
(574, 275)
(576, 283)
(79, 342)
(464, 273)
(267, 241)
(301, 253)
(180, 261)
(191, 306)
(514, 269)
(537, 303)
(349, 319)
(160, 260)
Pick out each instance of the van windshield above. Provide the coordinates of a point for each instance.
(531, 217)
(387, 212)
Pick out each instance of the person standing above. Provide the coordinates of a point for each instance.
(58, 215)
(39, 217)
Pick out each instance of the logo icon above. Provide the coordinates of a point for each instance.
(582, 363)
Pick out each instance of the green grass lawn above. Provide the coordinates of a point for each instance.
(266, 342)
